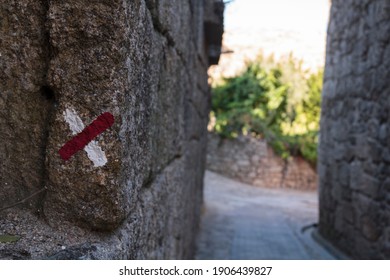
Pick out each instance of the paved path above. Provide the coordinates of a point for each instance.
(240, 221)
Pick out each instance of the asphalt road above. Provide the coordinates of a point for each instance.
(240, 221)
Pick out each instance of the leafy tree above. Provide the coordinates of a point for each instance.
(271, 100)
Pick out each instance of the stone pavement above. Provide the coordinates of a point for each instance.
(240, 221)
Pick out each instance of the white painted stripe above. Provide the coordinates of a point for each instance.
(96, 154)
(76, 125)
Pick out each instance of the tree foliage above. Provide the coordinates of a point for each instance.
(278, 101)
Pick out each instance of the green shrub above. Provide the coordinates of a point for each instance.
(277, 101)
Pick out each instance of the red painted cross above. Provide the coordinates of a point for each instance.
(82, 139)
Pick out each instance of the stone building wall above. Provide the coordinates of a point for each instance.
(136, 71)
(252, 161)
(354, 152)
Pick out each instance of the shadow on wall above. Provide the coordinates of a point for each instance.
(137, 193)
(354, 155)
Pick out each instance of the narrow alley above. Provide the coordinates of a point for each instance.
(240, 221)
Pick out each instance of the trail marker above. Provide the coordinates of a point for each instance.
(84, 136)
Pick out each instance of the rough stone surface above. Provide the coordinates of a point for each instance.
(252, 161)
(354, 144)
(25, 101)
(145, 62)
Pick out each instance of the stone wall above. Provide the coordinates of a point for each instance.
(354, 153)
(252, 161)
(135, 191)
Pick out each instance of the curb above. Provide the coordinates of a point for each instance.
(339, 255)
